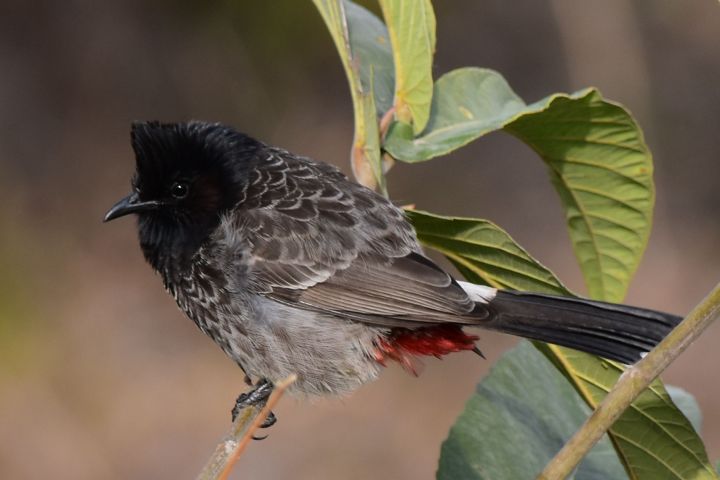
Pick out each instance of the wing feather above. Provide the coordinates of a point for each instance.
(321, 242)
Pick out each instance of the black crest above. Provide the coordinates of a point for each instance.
(165, 152)
(192, 173)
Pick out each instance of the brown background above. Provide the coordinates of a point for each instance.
(102, 377)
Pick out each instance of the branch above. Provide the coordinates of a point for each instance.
(631, 384)
(244, 427)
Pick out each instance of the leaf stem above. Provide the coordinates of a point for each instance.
(631, 384)
(385, 121)
(221, 462)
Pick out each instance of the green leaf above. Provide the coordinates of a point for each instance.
(602, 170)
(520, 416)
(687, 405)
(364, 48)
(653, 439)
(412, 33)
(370, 47)
(466, 104)
(595, 153)
(484, 253)
(366, 156)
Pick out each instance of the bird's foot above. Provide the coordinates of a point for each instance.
(255, 397)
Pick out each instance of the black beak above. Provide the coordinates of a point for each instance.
(130, 204)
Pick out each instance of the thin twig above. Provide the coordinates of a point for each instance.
(244, 427)
(631, 384)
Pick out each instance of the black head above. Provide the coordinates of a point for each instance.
(187, 175)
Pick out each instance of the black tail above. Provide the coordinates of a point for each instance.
(616, 332)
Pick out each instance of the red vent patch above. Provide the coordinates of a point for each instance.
(403, 345)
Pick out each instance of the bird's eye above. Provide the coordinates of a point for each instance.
(179, 190)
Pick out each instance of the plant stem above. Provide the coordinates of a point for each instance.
(227, 452)
(631, 384)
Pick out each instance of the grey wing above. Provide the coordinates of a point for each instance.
(320, 242)
(403, 292)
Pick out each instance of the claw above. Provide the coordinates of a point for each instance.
(269, 421)
(257, 396)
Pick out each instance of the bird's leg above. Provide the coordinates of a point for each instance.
(256, 396)
(246, 378)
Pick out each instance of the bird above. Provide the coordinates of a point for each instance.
(290, 267)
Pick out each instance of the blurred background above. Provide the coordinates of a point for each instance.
(102, 377)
